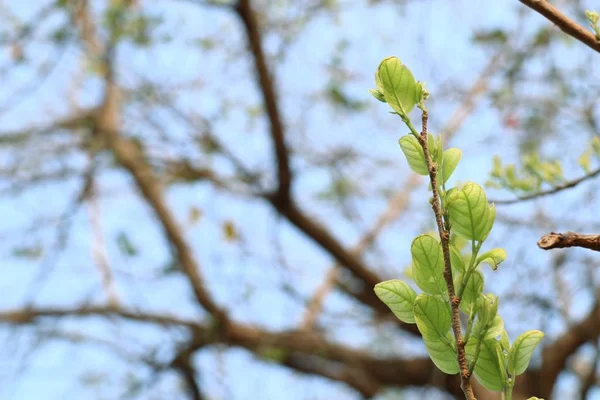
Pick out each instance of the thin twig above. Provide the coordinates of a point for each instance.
(99, 246)
(556, 189)
(566, 24)
(267, 86)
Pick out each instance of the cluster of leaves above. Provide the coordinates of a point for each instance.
(535, 173)
(467, 213)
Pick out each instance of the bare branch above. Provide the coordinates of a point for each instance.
(99, 246)
(244, 10)
(555, 240)
(566, 24)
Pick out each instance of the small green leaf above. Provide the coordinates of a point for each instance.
(493, 258)
(522, 350)
(414, 154)
(432, 315)
(490, 222)
(399, 86)
(399, 297)
(443, 354)
(469, 212)
(378, 95)
(450, 161)
(472, 291)
(488, 370)
(487, 308)
(428, 264)
(584, 161)
(491, 330)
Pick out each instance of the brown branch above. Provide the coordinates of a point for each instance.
(248, 17)
(566, 24)
(28, 316)
(445, 241)
(107, 128)
(328, 242)
(556, 189)
(555, 355)
(395, 207)
(555, 240)
(183, 364)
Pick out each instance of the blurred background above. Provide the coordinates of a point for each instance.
(197, 197)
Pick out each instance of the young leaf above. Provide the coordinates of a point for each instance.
(443, 354)
(432, 315)
(522, 350)
(414, 154)
(492, 330)
(493, 258)
(399, 86)
(490, 222)
(488, 368)
(487, 308)
(428, 264)
(378, 95)
(472, 291)
(469, 212)
(450, 161)
(399, 297)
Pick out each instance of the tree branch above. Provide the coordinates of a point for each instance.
(245, 12)
(556, 189)
(566, 24)
(569, 239)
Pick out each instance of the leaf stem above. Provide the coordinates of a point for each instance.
(444, 233)
(475, 247)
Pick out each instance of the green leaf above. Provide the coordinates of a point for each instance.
(399, 297)
(469, 212)
(443, 354)
(488, 369)
(490, 222)
(428, 264)
(399, 86)
(492, 330)
(522, 350)
(414, 154)
(493, 258)
(450, 161)
(378, 95)
(432, 315)
(487, 308)
(458, 264)
(472, 290)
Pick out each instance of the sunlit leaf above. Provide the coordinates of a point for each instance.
(522, 350)
(399, 297)
(428, 264)
(492, 257)
(399, 86)
(414, 154)
(469, 212)
(450, 161)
